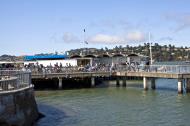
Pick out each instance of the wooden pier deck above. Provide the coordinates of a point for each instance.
(153, 74)
(123, 74)
(71, 75)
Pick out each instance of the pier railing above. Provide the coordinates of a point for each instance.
(46, 70)
(170, 68)
(178, 69)
(14, 79)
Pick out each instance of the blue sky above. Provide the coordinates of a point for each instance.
(44, 26)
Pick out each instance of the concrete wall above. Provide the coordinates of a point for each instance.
(18, 108)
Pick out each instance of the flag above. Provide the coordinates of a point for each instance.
(86, 42)
(84, 30)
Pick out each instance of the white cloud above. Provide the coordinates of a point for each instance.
(135, 36)
(106, 39)
(129, 37)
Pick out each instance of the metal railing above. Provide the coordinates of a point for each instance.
(46, 70)
(14, 79)
(177, 69)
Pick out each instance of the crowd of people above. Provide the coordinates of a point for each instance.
(35, 68)
(39, 68)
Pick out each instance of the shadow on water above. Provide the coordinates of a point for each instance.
(52, 116)
(166, 89)
(161, 85)
(135, 85)
(157, 88)
(140, 85)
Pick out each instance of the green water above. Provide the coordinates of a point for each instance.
(112, 106)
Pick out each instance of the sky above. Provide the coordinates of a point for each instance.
(30, 27)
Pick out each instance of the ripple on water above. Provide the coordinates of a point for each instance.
(114, 107)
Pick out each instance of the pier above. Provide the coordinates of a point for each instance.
(151, 76)
(147, 73)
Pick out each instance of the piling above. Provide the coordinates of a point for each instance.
(145, 83)
(180, 86)
(117, 82)
(153, 84)
(124, 82)
(92, 82)
(60, 83)
(187, 85)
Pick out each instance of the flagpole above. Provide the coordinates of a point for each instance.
(85, 42)
(84, 35)
(150, 45)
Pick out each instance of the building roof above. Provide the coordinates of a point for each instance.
(90, 56)
(75, 56)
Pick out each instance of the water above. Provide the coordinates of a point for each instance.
(112, 106)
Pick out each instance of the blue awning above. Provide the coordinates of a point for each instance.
(44, 57)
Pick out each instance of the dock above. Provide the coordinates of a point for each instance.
(181, 73)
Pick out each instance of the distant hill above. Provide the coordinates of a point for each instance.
(10, 58)
(160, 52)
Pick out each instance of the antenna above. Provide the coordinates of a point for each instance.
(150, 45)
